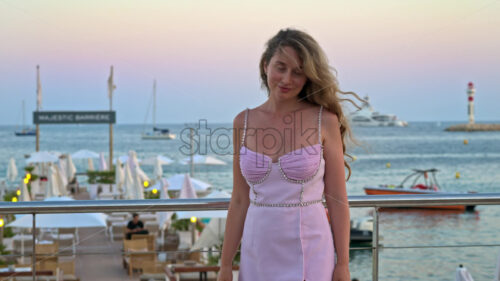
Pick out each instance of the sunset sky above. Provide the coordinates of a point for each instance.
(413, 58)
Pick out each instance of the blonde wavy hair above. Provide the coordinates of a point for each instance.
(322, 87)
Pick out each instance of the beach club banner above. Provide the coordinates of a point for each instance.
(74, 117)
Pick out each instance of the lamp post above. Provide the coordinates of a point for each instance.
(470, 109)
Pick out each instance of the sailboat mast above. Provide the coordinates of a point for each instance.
(154, 104)
(24, 121)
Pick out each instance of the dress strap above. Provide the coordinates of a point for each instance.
(244, 128)
(319, 124)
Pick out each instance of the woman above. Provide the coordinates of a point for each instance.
(288, 152)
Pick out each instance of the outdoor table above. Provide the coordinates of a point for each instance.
(22, 271)
(173, 271)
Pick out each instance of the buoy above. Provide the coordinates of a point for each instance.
(466, 141)
(388, 165)
(457, 175)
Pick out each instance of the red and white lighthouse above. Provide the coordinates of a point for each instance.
(470, 94)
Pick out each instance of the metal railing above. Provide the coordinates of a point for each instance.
(158, 205)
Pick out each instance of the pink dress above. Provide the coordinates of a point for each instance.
(286, 235)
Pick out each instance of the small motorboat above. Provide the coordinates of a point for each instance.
(428, 186)
(361, 229)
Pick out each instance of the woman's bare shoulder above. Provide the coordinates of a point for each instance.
(330, 119)
(330, 125)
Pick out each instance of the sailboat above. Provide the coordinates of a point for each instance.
(25, 131)
(157, 133)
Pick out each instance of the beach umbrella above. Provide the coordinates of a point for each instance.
(158, 171)
(462, 274)
(103, 166)
(133, 162)
(35, 188)
(51, 188)
(3, 189)
(84, 154)
(12, 170)
(43, 157)
(25, 195)
(70, 168)
(212, 235)
(187, 189)
(119, 176)
(203, 160)
(164, 218)
(175, 183)
(123, 159)
(138, 192)
(66, 220)
(90, 164)
(128, 183)
(152, 160)
(62, 180)
(207, 214)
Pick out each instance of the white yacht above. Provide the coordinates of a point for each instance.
(367, 117)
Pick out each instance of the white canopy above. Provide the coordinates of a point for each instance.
(175, 183)
(12, 170)
(77, 220)
(152, 160)
(84, 154)
(203, 160)
(43, 157)
(207, 214)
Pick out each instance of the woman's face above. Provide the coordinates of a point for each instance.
(285, 77)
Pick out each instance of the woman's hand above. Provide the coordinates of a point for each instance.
(225, 273)
(341, 273)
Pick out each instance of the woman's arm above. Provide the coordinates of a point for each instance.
(335, 186)
(239, 200)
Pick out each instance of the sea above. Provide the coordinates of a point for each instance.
(418, 244)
